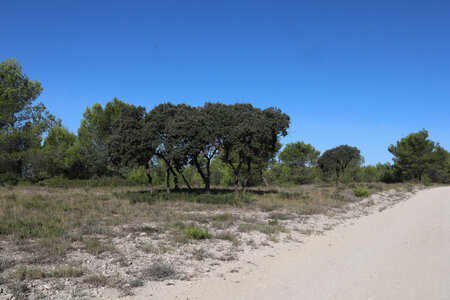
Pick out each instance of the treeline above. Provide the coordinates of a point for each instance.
(216, 144)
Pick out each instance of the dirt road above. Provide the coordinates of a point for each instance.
(400, 253)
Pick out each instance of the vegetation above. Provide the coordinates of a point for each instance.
(212, 145)
(416, 156)
(197, 233)
(338, 159)
(360, 192)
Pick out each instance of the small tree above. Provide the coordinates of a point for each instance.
(416, 155)
(300, 158)
(338, 159)
(56, 144)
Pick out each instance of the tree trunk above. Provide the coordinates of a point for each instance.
(266, 183)
(246, 175)
(175, 179)
(236, 182)
(205, 177)
(168, 180)
(236, 175)
(339, 180)
(185, 181)
(149, 176)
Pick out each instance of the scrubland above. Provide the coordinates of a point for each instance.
(79, 241)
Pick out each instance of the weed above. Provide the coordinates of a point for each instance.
(263, 228)
(200, 254)
(228, 236)
(222, 217)
(273, 222)
(197, 233)
(97, 280)
(159, 270)
(360, 192)
(280, 216)
(24, 273)
(95, 246)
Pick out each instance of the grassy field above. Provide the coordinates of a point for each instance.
(67, 232)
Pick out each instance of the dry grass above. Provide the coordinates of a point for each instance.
(46, 224)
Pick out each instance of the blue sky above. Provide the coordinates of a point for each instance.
(363, 73)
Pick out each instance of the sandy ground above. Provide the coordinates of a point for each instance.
(402, 252)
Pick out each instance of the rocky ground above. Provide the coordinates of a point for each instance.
(119, 259)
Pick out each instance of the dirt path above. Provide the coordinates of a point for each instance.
(400, 253)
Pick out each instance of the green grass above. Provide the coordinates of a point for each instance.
(197, 233)
(360, 192)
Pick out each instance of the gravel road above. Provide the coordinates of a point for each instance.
(402, 252)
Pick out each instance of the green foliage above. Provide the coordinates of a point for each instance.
(273, 222)
(197, 233)
(95, 129)
(62, 182)
(55, 154)
(415, 155)
(360, 192)
(21, 123)
(337, 160)
(130, 143)
(8, 178)
(138, 175)
(299, 155)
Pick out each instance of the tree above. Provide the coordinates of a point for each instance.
(416, 155)
(299, 155)
(21, 123)
(338, 159)
(300, 158)
(202, 130)
(167, 123)
(251, 133)
(56, 144)
(94, 131)
(130, 143)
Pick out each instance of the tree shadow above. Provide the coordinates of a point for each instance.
(212, 191)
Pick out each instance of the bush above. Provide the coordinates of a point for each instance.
(138, 175)
(197, 233)
(62, 182)
(160, 270)
(360, 192)
(8, 179)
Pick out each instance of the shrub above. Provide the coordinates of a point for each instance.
(360, 192)
(8, 179)
(138, 175)
(62, 182)
(160, 270)
(197, 233)
(273, 222)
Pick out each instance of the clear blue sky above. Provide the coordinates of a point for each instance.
(363, 73)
